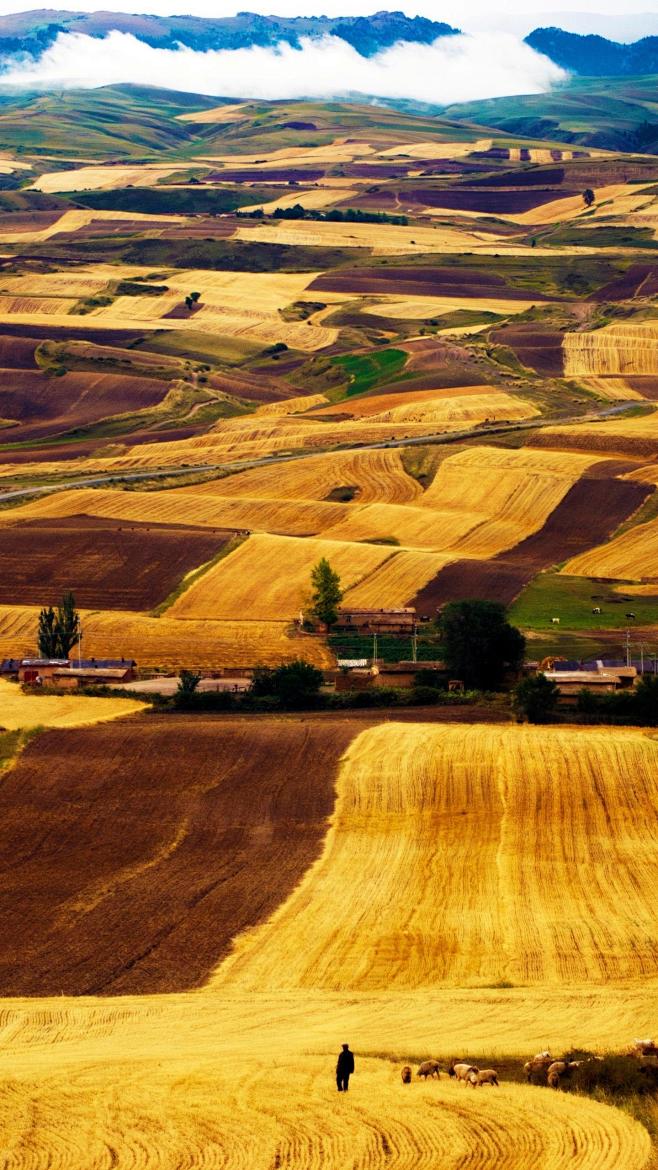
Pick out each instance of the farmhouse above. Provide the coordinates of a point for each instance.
(377, 621)
(601, 680)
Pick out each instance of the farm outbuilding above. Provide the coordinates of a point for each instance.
(377, 621)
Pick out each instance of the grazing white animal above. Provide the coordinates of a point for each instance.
(484, 1076)
(461, 1071)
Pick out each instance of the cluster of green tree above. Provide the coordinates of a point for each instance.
(536, 699)
(350, 215)
(58, 629)
(296, 686)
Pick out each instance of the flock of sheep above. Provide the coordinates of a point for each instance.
(541, 1067)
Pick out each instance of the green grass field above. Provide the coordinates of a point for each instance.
(368, 370)
(572, 599)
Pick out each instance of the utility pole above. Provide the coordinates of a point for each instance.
(414, 646)
(628, 647)
(374, 649)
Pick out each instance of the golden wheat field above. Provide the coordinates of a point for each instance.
(234, 1110)
(269, 577)
(398, 579)
(292, 405)
(631, 556)
(378, 476)
(393, 240)
(167, 642)
(18, 710)
(457, 410)
(203, 510)
(442, 868)
(620, 436)
(100, 178)
(486, 854)
(616, 350)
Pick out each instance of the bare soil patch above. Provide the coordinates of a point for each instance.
(108, 564)
(405, 280)
(135, 852)
(47, 405)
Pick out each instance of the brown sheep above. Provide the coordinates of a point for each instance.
(461, 1071)
(536, 1069)
(406, 1075)
(429, 1068)
(561, 1068)
(485, 1076)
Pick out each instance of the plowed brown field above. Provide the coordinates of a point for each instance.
(128, 875)
(49, 405)
(107, 565)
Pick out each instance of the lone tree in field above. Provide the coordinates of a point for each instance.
(327, 594)
(479, 644)
(536, 699)
(58, 629)
(588, 197)
(47, 633)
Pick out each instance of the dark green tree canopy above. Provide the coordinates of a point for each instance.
(479, 644)
(536, 698)
(327, 593)
(296, 684)
(59, 629)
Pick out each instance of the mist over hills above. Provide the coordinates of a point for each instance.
(29, 34)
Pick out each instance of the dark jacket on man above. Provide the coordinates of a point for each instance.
(344, 1069)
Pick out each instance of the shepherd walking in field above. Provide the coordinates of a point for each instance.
(344, 1068)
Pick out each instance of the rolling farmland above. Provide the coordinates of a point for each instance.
(198, 908)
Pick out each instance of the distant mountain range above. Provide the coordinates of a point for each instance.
(30, 33)
(592, 56)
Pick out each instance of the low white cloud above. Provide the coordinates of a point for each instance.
(459, 68)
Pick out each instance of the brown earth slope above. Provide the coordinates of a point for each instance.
(109, 564)
(132, 853)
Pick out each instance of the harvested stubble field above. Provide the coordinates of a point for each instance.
(636, 438)
(220, 1118)
(445, 409)
(269, 577)
(377, 476)
(616, 350)
(170, 643)
(631, 556)
(565, 877)
(198, 510)
(23, 712)
(108, 565)
(590, 511)
(218, 1067)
